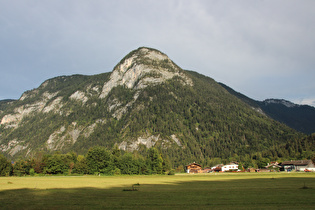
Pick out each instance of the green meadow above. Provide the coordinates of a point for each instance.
(204, 191)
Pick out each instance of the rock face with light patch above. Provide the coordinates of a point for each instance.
(142, 68)
(41, 105)
(148, 141)
(80, 96)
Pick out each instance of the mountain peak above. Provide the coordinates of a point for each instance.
(141, 68)
(147, 52)
(145, 56)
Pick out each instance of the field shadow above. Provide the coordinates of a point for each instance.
(262, 193)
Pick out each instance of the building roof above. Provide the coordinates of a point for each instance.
(273, 165)
(231, 163)
(218, 165)
(193, 164)
(297, 162)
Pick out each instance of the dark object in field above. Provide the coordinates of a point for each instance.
(305, 187)
(134, 187)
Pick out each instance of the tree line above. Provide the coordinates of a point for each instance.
(102, 161)
(97, 161)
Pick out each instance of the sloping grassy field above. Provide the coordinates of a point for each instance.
(205, 191)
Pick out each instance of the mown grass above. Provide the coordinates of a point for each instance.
(218, 191)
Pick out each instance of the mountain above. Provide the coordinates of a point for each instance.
(147, 100)
(298, 117)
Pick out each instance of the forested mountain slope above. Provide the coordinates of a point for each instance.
(146, 101)
(298, 117)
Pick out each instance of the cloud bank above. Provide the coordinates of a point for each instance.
(263, 49)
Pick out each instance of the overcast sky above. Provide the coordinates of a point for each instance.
(263, 49)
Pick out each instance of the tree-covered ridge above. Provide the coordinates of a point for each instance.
(298, 117)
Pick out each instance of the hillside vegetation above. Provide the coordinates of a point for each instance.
(298, 117)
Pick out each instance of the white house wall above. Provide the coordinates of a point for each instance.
(229, 167)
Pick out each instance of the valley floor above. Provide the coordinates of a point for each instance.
(219, 191)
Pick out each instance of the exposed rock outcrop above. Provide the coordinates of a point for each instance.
(144, 67)
(149, 142)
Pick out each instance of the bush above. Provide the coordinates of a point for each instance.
(171, 172)
(116, 171)
(32, 172)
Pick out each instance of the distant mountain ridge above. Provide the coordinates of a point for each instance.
(286, 103)
(298, 117)
(146, 101)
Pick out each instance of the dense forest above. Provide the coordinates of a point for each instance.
(98, 160)
(298, 117)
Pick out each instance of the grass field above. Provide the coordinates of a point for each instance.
(205, 191)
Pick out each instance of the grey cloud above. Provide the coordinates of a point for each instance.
(245, 44)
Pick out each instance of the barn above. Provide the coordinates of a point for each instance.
(298, 165)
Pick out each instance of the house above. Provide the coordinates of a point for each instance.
(217, 168)
(263, 170)
(233, 166)
(193, 168)
(297, 165)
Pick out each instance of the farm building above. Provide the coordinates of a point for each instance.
(194, 168)
(262, 170)
(297, 165)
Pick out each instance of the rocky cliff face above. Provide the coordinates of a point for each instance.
(142, 68)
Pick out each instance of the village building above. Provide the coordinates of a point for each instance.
(194, 168)
(298, 165)
(233, 166)
(217, 168)
(262, 170)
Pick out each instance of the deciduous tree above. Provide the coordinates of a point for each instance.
(4, 166)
